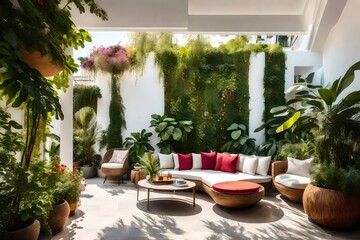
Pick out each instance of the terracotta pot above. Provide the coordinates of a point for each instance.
(330, 208)
(73, 207)
(42, 63)
(58, 216)
(30, 232)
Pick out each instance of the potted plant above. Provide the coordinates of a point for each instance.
(240, 142)
(332, 199)
(138, 144)
(85, 137)
(150, 165)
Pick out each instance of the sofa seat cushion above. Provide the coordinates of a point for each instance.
(194, 174)
(292, 181)
(236, 187)
(112, 165)
(216, 177)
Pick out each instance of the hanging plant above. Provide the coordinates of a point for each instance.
(114, 60)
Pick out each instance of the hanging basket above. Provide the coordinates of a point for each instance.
(42, 63)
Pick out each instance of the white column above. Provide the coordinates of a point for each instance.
(66, 126)
(256, 92)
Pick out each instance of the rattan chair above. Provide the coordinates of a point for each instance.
(293, 194)
(112, 166)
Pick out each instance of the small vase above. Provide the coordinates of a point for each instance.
(58, 216)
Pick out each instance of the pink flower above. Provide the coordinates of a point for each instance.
(41, 2)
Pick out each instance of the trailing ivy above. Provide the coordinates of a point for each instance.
(85, 96)
(274, 81)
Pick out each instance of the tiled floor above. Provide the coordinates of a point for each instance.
(111, 212)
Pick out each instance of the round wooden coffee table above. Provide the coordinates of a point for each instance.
(165, 187)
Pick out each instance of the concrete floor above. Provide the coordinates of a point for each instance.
(112, 212)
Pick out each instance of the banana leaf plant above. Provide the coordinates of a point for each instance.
(338, 128)
(170, 131)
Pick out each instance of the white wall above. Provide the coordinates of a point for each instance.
(142, 96)
(342, 47)
(256, 90)
(302, 59)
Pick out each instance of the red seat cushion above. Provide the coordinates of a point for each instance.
(236, 187)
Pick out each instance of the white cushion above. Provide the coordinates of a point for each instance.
(210, 177)
(112, 165)
(299, 167)
(166, 160)
(196, 158)
(118, 156)
(292, 181)
(240, 164)
(176, 160)
(250, 165)
(263, 165)
(217, 177)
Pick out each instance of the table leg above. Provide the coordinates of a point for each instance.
(148, 197)
(137, 195)
(193, 190)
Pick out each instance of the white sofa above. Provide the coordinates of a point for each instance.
(248, 168)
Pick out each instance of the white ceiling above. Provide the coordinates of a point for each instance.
(313, 17)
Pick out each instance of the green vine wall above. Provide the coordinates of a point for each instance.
(210, 86)
(274, 80)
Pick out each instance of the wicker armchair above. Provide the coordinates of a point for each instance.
(293, 194)
(115, 163)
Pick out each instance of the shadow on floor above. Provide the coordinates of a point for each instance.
(169, 207)
(262, 212)
(143, 227)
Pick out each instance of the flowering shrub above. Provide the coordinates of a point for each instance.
(113, 59)
(66, 183)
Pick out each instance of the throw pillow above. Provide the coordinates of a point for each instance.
(121, 156)
(208, 160)
(263, 165)
(113, 158)
(240, 164)
(219, 158)
(196, 161)
(299, 167)
(176, 161)
(229, 163)
(250, 165)
(166, 160)
(185, 161)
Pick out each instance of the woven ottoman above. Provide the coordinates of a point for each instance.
(237, 194)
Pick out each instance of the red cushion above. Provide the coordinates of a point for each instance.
(229, 163)
(219, 159)
(185, 161)
(236, 187)
(208, 160)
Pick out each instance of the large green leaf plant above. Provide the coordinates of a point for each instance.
(240, 141)
(138, 144)
(336, 114)
(170, 131)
